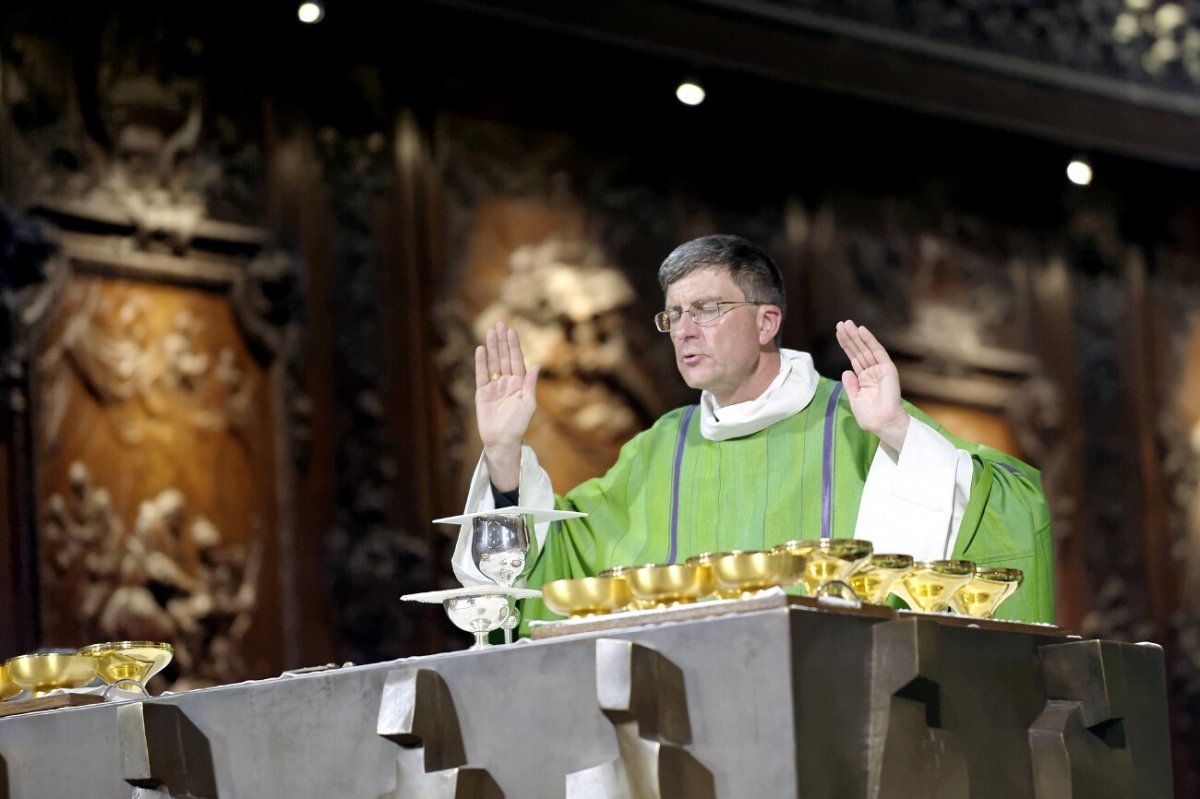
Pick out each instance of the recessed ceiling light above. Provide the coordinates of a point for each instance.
(310, 12)
(690, 93)
(1079, 172)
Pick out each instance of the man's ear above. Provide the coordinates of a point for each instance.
(769, 320)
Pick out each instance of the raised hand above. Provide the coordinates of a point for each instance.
(872, 385)
(505, 399)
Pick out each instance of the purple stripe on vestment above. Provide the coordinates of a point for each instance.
(683, 428)
(827, 465)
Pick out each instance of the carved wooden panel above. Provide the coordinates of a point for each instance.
(156, 466)
(151, 421)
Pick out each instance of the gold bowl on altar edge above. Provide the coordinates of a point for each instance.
(40, 674)
(7, 686)
(740, 573)
(873, 581)
(986, 591)
(662, 585)
(587, 596)
(129, 661)
(827, 560)
(623, 573)
(931, 584)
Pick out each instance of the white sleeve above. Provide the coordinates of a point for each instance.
(534, 492)
(914, 504)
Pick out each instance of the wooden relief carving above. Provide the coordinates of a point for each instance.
(569, 303)
(156, 476)
(949, 311)
(146, 363)
(160, 392)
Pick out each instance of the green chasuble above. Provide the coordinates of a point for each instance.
(793, 480)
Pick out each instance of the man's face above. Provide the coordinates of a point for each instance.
(721, 356)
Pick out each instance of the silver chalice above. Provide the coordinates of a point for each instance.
(501, 541)
(500, 545)
(500, 550)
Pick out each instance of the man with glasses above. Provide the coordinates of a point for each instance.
(772, 452)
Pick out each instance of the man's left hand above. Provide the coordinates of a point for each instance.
(873, 385)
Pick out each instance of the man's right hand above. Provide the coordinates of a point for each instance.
(505, 399)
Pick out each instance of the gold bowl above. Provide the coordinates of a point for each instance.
(129, 661)
(873, 581)
(986, 590)
(623, 573)
(587, 596)
(7, 686)
(827, 560)
(662, 585)
(931, 584)
(705, 560)
(40, 674)
(740, 573)
(795, 552)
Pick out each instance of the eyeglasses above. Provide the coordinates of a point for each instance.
(703, 312)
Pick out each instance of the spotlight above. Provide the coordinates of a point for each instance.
(690, 93)
(1079, 172)
(311, 12)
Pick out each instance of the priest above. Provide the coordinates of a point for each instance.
(772, 452)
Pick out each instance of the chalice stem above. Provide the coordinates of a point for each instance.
(134, 685)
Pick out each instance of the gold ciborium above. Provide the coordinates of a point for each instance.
(7, 686)
(41, 674)
(587, 596)
(827, 560)
(129, 663)
(986, 590)
(873, 581)
(739, 574)
(666, 584)
(931, 584)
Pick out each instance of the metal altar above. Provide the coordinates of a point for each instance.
(774, 696)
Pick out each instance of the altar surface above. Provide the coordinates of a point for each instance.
(775, 697)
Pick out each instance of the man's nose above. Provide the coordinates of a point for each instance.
(685, 327)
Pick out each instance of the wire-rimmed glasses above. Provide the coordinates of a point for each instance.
(702, 312)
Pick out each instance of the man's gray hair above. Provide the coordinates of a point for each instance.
(747, 264)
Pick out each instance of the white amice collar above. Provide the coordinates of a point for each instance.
(789, 393)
